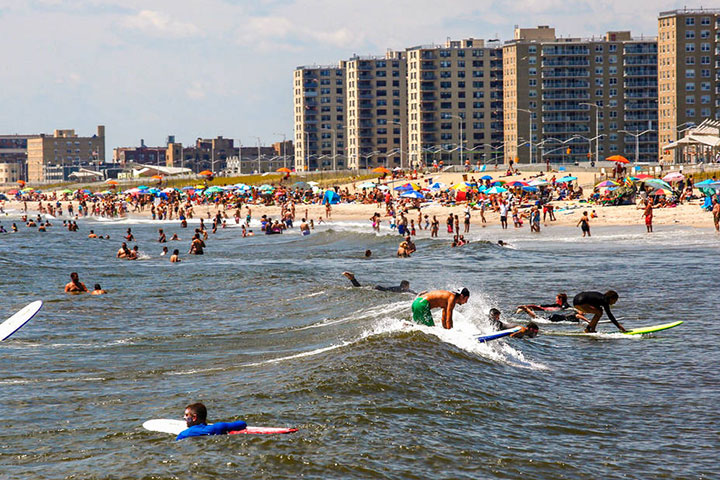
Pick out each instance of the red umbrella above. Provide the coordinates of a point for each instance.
(618, 159)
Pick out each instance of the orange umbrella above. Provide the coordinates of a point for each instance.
(618, 159)
(111, 182)
(21, 182)
(283, 170)
(381, 170)
(158, 177)
(205, 172)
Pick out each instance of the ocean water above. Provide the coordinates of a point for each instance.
(266, 329)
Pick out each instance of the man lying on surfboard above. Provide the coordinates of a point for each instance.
(404, 286)
(595, 303)
(530, 331)
(561, 303)
(196, 420)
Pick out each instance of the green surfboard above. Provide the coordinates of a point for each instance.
(655, 328)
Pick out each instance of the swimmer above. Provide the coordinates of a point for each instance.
(502, 244)
(196, 421)
(124, 251)
(161, 236)
(98, 290)
(164, 251)
(595, 303)
(530, 331)
(175, 257)
(426, 301)
(92, 234)
(561, 303)
(174, 237)
(75, 285)
(368, 253)
(404, 286)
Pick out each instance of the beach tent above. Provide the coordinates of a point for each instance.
(331, 197)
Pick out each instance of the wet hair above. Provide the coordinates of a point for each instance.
(74, 276)
(611, 296)
(405, 284)
(563, 297)
(464, 292)
(368, 253)
(199, 410)
(494, 311)
(98, 287)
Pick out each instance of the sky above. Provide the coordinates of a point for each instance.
(147, 69)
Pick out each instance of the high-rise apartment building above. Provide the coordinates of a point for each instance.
(52, 158)
(688, 72)
(562, 95)
(376, 106)
(455, 102)
(319, 114)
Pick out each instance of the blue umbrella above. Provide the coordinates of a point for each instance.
(188, 188)
(493, 190)
(565, 179)
(486, 177)
(705, 183)
(403, 187)
(143, 187)
(530, 188)
(412, 194)
(331, 197)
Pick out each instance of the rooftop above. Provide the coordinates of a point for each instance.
(689, 11)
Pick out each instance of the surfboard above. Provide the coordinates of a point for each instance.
(174, 427)
(653, 329)
(15, 323)
(500, 334)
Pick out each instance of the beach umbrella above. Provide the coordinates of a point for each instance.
(301, 185)
(530, 188)
(660, 191)
(657, 183)
(283, 170)
(331, 197)
(618, 159)
(313, 183)
(67, 190)
(15, 191)
(412, 194)
(205, 173)
(705, 183)
(367, 185)
(483, 188)
(380, 170)
(538, 182)
(486, 177)
(21, 182)
(607, 183)
(403, 187)
(143, 187)
(517, 183)
(674, 177)
(383, 187)
(565, 179)
(157, 177)
(438, 186)
(494, 190)
(188, 188)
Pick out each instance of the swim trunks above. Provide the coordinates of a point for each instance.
(421, 312)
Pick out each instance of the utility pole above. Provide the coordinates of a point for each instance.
(283, 149)
(258, 153)
(597, 129)
(530, 114)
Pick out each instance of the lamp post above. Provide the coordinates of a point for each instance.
(258, 157)
(590, 140)
(394, 122)
(597, 128)
(530, 114)
(283, 149)
(637, 141)
(461, 135)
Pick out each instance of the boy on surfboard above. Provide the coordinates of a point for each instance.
(196, 421)
(595, 303)
(426, 301)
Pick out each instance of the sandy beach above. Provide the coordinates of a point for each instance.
(567, 212)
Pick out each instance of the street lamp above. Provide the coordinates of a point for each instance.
(461, 135)
(590, 140)
(530, 115)
(401, 141)
(283, 149)
(597, 128)
(637, 141)
(258, 158)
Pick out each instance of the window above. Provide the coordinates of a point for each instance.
(478, 84)
(532, 93)
(532, 71)
(689, 60)
(705, 112)
(598, 48)
(705, 60)
(705, 21)
(532, 82)
(612, 70)
(705, 73)
(705, 99)
(690, 73)
(598, 70)
(705, 86)
(690, 112)
(612, 59)
(599, 82)
(704, 33)
(704, 47)
(689, 21)
(689, 47)
(689, 99)
(445, 84)
(532, 60)
(444, 53)
(598, 93)
(461, 63)
(477, 63)
(612, 92)
(598, 59)
(689, 34)
(461, 84)
(689, 87)
(612, 48)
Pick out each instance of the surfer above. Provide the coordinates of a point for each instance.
(561, 303)
(404, 286)
(530, 331)
(595, 303)
(196, 421)
(444, 299)
(75, 285)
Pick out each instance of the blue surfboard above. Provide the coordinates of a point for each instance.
(500, 334)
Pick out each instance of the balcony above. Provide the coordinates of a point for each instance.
(641, 94)
(310, 93)
(428, 88)
(365, 66)
(640, 61)
(428, 107)
(428, 66)
(565, 117)
(365, 75)
(564, 128)
(640, 72)
(429, 118)
(640, 82)
(566, 50)
(566, 62)
(639, 49)
(563, 107)
(365, 114)
(639, 116)
(428, 96)
(566, 73)
(637, 105)
(365, 132)
(565, 84)
(428, 76)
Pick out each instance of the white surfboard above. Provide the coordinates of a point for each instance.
(174, 427)
(14, 323)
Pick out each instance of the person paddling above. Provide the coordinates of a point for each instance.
(444, 299)
(596, 303)
(196, 420)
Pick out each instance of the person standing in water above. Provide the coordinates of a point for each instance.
(584, 224)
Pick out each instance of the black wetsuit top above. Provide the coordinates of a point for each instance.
(597, 300)
(397, 289)
(557, 317)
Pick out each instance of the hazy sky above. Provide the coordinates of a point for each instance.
(200, 68)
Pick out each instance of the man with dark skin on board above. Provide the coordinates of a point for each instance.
(444, 299)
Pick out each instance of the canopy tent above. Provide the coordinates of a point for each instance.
(331, 197)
